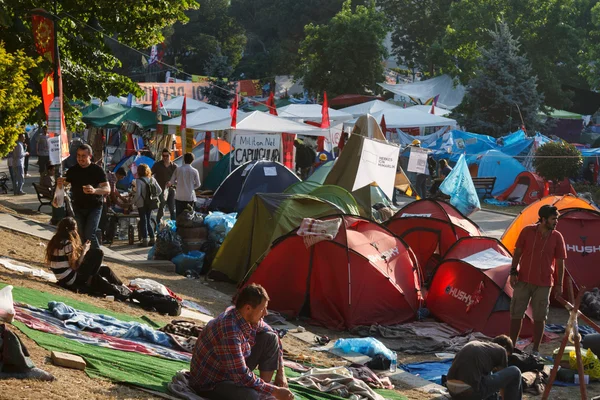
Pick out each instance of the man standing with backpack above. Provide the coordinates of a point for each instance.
(146, 198)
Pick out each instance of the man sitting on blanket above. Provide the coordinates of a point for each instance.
(232, 345)
(479, 371)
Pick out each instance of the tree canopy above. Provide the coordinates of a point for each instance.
(346, 54)
(555, 161)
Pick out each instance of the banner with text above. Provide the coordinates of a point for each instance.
(54, 150)
(378, 163)
(167, 91)
(256, 147)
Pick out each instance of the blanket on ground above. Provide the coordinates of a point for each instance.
(338, 384)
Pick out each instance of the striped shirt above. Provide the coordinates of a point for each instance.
(59, 264)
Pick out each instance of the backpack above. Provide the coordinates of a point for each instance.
(154, 301)
(151, 200)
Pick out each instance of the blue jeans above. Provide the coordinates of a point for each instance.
(145, 226)
(508, 379)
(87, 224)
(169, 201)
(19, 178)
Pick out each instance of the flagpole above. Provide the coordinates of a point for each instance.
(57, 86)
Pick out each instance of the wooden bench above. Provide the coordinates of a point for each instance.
(485, 183)
(44, 195)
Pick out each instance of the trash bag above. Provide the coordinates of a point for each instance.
(189, 219)
(219, 224)
(210, 249)
(192, 261)
(367, 346)
(168, 245)
(591, 364)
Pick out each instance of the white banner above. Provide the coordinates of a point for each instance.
(378, 163)
(54, 150)
(256, 147)
(417, 161)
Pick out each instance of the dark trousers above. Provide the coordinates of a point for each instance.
(421, 186)
(169, 201)
(26, 165)
(180, 206)
(508, 379)
(87, 224)
(89, 266)
(145, 226)
(264, 355)
(43, 163)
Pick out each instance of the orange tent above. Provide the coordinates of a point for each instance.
(530, 215)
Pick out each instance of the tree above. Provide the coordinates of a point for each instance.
(503, 89)
(345, 55)
(16, 98)
(418, 29)
(221, 89)
(555, 161)
(88, 64)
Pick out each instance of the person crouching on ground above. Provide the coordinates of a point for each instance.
(539, 248)
(232, 345)
(483, 366)
(73, 264)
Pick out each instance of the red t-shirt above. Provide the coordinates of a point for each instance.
(539, 254)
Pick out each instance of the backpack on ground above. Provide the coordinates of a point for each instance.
(151, 200)
(150, 300)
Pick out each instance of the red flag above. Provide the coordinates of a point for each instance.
(234, 109)
(325, 112)
(154, 100)
(596, 169)
(183, 114)
(43, 34)
(287, 140)
(271, 104)
(383, 125)
(546, 188)
(207, 140)
(433, 104)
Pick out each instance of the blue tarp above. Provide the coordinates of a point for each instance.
(431, 371)
(455, 143)
(504, 167)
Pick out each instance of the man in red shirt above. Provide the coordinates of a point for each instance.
(538, 250)
(232, 345)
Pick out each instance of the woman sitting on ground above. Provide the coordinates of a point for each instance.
(74, 264)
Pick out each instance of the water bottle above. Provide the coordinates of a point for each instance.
(394, 363)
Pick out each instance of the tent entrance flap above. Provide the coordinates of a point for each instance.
(305, 309)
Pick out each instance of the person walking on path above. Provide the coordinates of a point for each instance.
(539, 249)
(143, 190)
(162, 172)
(88, 188)
(27, 145)
(187, 180)
(18, 166)
(43, 150)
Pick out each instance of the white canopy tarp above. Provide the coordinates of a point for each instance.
(427, 109)
(408, 118)
(260, 122)
(119, 100)
(311, 112)
(450, 95)
(176, 103)
(370, 107)
(203, 116)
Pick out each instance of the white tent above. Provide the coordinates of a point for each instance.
(119, 100)
(370, 107)
(260, 122)
(176, 103)
(311, 112)
(408, 118)
(203, 116)
(450, 95)
(427, 109)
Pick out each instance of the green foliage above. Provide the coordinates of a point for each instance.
(502, 87)
(16, 98)
(345, 55)
(591, 53)
(221, 90)
(555, 161)
(552, 34)
(88, 63)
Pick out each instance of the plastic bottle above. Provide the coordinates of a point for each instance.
(394, 363)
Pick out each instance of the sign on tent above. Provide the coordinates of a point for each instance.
(378, 162)
(256, 147)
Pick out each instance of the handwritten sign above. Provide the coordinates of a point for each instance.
(54, 150)
(418, 160)
(256, 147)
(167, 91)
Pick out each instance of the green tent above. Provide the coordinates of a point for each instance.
(302, 187)
(267, 217)
(217, 174)
(562, 114)
(321, 173)
(112, 115)
(338, 196)
(367, 196)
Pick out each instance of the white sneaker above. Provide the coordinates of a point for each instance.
(27, 176)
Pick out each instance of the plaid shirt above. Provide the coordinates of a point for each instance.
(221, 351)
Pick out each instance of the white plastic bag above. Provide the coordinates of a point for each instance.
(59, 197)
(7, 308)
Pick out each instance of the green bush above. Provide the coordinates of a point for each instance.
(555, 161)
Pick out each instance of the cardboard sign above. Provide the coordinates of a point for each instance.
(54, 150)
(417, 161)
(167, 91)
(189, 140)
(256, 147)
(378, 163)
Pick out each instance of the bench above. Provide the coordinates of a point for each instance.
(44, 195)
(485, 183)
(3, 181)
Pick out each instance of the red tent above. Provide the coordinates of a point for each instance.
(581, 230)
(471, 291)
(364, 276)
(529, 187)
(430, 228)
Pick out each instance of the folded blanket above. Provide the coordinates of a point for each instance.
(314, 231)
(340, 385)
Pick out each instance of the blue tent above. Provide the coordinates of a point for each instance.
(126, 163)
(504, 167)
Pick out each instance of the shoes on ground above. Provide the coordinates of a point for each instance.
(27, 176)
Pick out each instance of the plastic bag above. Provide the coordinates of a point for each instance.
(59, 197)
(7, 307)
(192, 261)
(219, 224)
(591, 364)
(168, 245)
(149, 284)
(367, 346)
